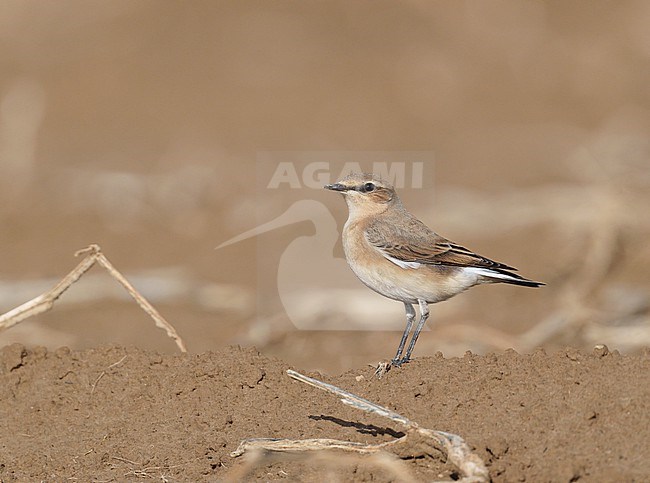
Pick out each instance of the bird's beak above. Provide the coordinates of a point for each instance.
(336, 187)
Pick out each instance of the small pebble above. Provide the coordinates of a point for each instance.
(601, 350)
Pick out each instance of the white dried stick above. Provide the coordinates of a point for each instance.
(472, 468)
(457, 450)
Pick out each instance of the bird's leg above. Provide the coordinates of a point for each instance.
(424, 315)
(410, 317)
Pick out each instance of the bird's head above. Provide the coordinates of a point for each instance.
(365, 194)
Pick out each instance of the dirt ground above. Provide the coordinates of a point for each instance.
(117, 414)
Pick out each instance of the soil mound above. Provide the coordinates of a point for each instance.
(118, 414)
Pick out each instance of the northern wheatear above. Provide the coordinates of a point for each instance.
(399, 257)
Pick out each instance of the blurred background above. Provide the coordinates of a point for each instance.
(139, 126)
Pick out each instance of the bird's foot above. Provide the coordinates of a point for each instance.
(404, 360)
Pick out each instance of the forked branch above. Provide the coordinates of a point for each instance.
(93, 254)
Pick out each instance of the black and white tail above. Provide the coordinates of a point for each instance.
(499, 275)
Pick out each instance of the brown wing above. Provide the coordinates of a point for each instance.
(415, 242)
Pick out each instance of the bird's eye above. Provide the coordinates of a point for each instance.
(368, 187)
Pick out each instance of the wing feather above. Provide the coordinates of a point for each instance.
(411, 241)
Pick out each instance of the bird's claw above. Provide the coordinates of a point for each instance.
(397, 362)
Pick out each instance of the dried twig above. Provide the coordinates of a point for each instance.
(99, 378)
(103, 373)
(288, 445)
(45, 302)
(458, 452)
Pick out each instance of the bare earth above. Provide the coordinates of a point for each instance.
(117, 414)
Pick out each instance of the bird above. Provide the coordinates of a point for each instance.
(395, 254)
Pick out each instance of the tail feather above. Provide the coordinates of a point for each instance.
(500, 275)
